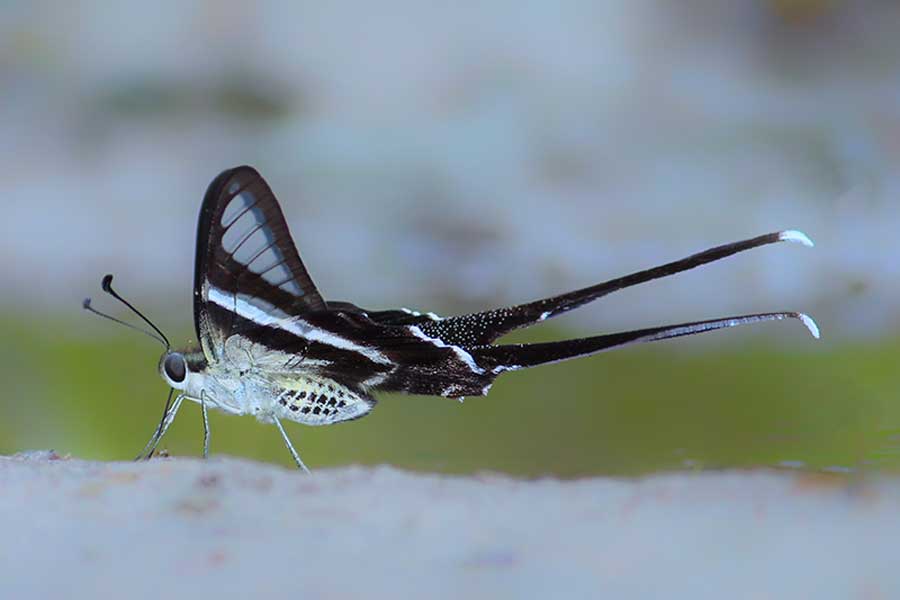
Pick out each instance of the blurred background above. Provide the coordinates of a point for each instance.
(460, 158)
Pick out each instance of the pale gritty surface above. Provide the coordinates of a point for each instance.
(229, 528)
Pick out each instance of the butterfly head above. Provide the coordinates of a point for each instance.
(182, 370)
(173, 368)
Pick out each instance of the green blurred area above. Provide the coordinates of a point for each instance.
(668, 406)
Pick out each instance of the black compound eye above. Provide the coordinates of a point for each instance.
(176, 369)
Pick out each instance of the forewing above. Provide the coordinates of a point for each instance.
(246, 263)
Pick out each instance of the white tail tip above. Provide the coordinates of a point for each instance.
(809, 324)
(792, 235)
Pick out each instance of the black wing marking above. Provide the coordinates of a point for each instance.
(246, 261)
(390, 317)
(483, 328)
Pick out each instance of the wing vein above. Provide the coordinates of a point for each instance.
(246, 237)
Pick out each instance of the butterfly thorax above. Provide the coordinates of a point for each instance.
(252, 378)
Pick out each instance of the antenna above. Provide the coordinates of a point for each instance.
(106, 284)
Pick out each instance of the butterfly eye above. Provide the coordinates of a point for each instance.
(175, 367)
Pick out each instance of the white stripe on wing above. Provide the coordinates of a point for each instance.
(263, 313)
(464, 356)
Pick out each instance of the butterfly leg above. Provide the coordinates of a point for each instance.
(164, 426)
(205, 423)
(290, 446)
(146, 450)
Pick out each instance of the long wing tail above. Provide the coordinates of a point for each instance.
(485, 327)
(497, 359)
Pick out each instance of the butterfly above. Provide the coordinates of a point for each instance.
(271, 346)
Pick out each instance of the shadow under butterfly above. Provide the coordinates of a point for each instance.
(271, 346)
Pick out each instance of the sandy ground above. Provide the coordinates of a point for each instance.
(228, 528)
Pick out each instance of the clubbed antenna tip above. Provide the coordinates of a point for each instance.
(106, 284)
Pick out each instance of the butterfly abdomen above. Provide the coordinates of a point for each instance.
(320, 401)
